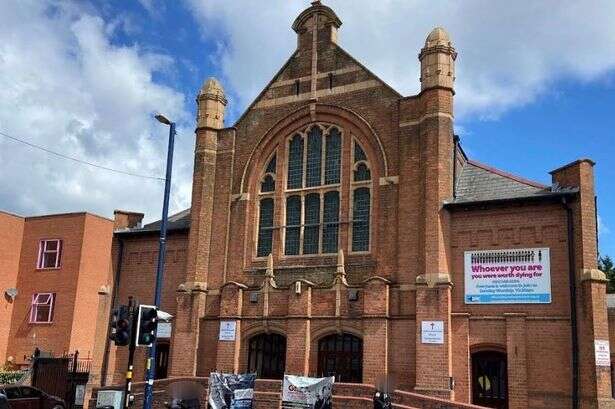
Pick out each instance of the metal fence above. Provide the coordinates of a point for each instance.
(64, 377)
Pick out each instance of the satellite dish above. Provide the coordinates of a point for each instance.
(11, 293)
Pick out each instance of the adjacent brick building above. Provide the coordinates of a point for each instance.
(52, 269)
(338, 228)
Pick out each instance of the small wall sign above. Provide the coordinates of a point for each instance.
(164, 330)
(603, 353)
(227, 330)
(432, 332)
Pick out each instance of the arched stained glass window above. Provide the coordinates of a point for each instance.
(314, 158)
(333, 157)
(295, 163)
(319, 198)
(271, 167)
(293, 225)
(361, 200)
(359, 154)
(268, 184)
(266, 210)
(265, 227)
(331, 217)
(311, 236)
(362, 173)
(360, 219)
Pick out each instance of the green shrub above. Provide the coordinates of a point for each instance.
(10, 377)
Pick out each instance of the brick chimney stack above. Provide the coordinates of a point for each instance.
(123, 219)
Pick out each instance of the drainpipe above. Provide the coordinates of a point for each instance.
(572, 277)
(116, 282)
(455, 146)
(597, 231)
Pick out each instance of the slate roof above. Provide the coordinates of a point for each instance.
(479, 183)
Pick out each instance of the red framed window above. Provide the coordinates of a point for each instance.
(49, 254)
(42, 308)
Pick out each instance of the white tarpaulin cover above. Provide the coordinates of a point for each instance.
(307, 393)
(229, 391)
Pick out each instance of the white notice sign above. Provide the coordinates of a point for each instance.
(432, 332)
(603, 353)
(227, 330)
(514, 276)
(164, 330)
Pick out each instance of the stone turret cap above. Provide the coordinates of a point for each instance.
(316, 7)
(212, 89)
(438, 36)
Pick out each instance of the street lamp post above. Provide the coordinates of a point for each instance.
(151, 361)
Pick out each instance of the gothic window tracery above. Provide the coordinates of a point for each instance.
(312, 187)
(266, 209)
(361, 201)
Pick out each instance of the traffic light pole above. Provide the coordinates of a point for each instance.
(131, 355)
(151, 361)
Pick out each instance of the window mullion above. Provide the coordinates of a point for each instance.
(50, 311)
(323, 157)
(304, 142)
(321, 240)
(57, 254)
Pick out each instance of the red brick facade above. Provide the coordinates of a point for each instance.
(83, 267)
(10, 241)
(425, 212)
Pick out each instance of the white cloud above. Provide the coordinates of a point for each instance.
(509, 52)
(65, 86)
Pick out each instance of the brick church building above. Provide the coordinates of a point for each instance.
(338, 228)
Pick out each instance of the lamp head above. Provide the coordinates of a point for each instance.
(162, 119)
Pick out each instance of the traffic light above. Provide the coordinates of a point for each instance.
(147, 325)
(121, 325)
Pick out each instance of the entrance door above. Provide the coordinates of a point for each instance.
(341, 356)
(267, 356)
(490, 379)
(162, 360)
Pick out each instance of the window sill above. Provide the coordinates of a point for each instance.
(41, 323)
(48, 268)
(313, 261)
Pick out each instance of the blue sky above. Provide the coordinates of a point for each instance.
(535, 86)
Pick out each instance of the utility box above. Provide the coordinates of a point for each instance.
(109, 399)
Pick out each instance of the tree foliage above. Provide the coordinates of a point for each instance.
(10, 377)
(605, 264)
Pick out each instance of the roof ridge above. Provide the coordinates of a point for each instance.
(507, 174)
